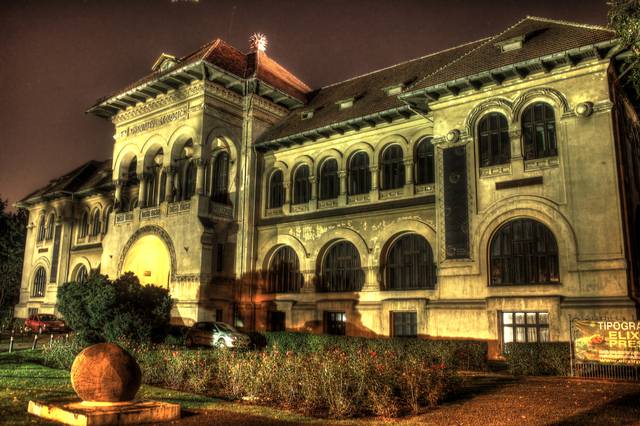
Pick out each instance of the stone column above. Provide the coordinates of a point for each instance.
(199, 176)
(118, 195)
(313, 202)
(408, 172)
(342, 198)
(142, 190)
(287, 197)
(168, 188)
(375, 181)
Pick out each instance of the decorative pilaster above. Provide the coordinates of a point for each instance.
(375, 176)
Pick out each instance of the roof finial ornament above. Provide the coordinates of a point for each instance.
(258, 41)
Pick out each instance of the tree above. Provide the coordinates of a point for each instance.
(103, 310)
(13, 226)
(624, 18)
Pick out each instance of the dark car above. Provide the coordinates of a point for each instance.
(42, 323)
(218, 334)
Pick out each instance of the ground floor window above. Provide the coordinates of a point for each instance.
(276, 321)
(219, 315)
(335, 323)
(525, 327)
(404, 324)
(31, 312)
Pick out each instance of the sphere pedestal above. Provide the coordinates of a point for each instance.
(106, 378)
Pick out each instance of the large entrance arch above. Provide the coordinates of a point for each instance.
(149, 254)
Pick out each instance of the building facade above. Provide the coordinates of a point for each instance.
(487, 191)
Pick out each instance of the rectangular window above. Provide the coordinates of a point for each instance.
(404, 324)
(31, 312)
(276, 321)
(335, 323)
(219, 315)
(524, 327)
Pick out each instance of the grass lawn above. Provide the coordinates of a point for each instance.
(23, 379)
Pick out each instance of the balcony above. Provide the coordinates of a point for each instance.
(149, 213)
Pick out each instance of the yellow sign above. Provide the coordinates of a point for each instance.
(611, 342)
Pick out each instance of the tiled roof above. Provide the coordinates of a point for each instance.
(368, 91)
(86, 178)
(223, 55)
(542, 37)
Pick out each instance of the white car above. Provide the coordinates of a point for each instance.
(218, 334)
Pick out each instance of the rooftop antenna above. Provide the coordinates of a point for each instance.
(258, 41)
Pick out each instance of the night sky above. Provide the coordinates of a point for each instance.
(58, 57)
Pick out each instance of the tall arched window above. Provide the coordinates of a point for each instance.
(132, 174)
(220, 178)
(495, 147)
(276, 190)
(539, 131)
(50, 224)
(425, 166)
(523, 251)
(359, 174)
(81, 274)
(189, 181)
(39, 282)
(284, 272)
(107, 213)
(95, 223)
(84, 225)
(41, 228)
(392, 168)
(341, 270)
(409, 264)
(301, 185)
(329, 180)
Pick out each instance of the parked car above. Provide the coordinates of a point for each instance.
(42, 323)
(218, 334)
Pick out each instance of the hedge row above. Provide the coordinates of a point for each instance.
(460, 354)
(539, 359)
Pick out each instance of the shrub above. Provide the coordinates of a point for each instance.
(104, 310)
(538, 359)
(461, 354)
(61, 353)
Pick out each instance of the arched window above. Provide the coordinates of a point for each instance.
(154, 182)
(220, 175)
(39, 282)
(81, 274)
(132, 174)
(84, 225)
(425, 166)
(301, 185)
(409, 264)
(50, 225)
(539, 131)
(495, 147)
(341, 270)
(107, 213)
(95, 223)
(392, 168)
(163, 186)
(523, 251)
(359, 174)
(41, 228)
(284, 272)
(276, 190)
(189, 186)
(329, 180)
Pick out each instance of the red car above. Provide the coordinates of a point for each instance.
(43, 323)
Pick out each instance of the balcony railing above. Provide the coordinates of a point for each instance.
(149, 213)
(123, 217)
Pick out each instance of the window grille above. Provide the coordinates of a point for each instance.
(495, 146)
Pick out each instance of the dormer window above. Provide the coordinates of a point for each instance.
(305, 115)
(513, 43)
(164, 62)
(345, 103)
(394, 90)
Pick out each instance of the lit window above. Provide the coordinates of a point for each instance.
(524, 327)
(39, 282)
(335, 323)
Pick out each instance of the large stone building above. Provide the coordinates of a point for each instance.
(487, 191)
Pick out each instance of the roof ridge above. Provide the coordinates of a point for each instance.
(487, 41)
(572, 23)
(402, 63)
(215, 43)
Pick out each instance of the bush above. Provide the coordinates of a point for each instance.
(461, 354)
(61, 353)
(538, 359)
(104, 310)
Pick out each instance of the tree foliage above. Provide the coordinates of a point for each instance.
(13, 227)
(624, 18)
(103, 310)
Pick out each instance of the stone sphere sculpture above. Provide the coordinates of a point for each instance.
(105, 373)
